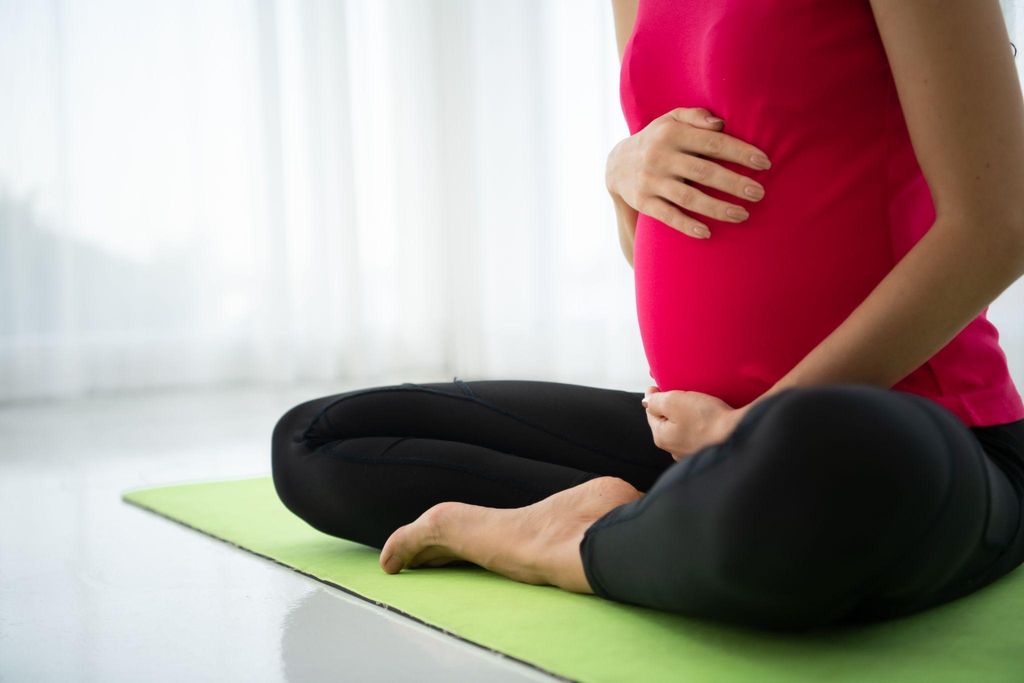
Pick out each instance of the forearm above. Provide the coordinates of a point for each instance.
(955, 270)
(625, 216)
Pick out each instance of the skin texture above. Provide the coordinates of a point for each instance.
(624, 13)
(536, 544)
(958, 87)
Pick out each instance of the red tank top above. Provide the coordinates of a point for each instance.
(808, 82)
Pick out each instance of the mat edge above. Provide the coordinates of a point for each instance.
(187, 484)
(364, 598)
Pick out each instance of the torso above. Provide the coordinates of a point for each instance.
(807, 81)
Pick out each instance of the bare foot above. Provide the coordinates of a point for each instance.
(536, 544)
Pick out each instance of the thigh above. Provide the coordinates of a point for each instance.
(592, 429)
(824, 502)
(363, 488)
(362, 463)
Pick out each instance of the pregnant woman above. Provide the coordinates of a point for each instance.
(819, 198)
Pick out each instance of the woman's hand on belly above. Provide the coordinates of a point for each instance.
(683, 422)
(651, 169)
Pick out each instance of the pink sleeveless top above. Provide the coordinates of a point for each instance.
(808, 82)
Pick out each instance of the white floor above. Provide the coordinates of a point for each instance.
(94, 589)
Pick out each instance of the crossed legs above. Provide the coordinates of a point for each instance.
(824, 503)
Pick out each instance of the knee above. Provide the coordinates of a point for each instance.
(859, 443)
(291, 428)
(288, 446)
(834, 484)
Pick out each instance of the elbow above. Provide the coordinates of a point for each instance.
(1011, 242)
(1004, 233)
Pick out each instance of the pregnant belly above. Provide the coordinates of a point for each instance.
(730, 315)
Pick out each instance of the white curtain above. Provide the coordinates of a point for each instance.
(197, 192)
(202, 192)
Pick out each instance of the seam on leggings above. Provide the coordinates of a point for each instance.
(605, 521)
(433, 463)
(408, 386)
(589, 567)
(304, 436)
(726, 445)
(463, 386)
(729, 454)
(321, 414)
(390, 446)
(869, 586)
(993, 444)
(645, 502)
(988, 515)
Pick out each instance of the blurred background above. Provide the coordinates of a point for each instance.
(201, 194)
(211, 210)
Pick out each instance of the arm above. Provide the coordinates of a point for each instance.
(624, 12)
(961, 97)
(625, 215)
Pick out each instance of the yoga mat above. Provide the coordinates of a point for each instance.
(978, 638)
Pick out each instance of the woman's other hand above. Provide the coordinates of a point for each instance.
(683, 422)
(651, 170)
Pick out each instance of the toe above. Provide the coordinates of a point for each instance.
(403, 544)
(408, 541)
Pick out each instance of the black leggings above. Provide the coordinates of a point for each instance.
(841, 502)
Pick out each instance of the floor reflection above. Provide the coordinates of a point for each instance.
(322, 641)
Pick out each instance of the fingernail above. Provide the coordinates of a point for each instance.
(760, 160)
(644, 402)
(387, 560)
(702, 231)
(753, 191)
(713, 119)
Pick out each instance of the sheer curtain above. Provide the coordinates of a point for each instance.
(201, 193)
(205, 192)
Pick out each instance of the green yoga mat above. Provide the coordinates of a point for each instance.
(978, 638)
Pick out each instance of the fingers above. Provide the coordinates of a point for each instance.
(674, 157)
(655, 423)
(708, 139)
(711, 174)
(654, 403)
(687, 196)
(661, 433)
(720, 145)
(696, 116)
(654, 412)
(663, 403)
(669, 214)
